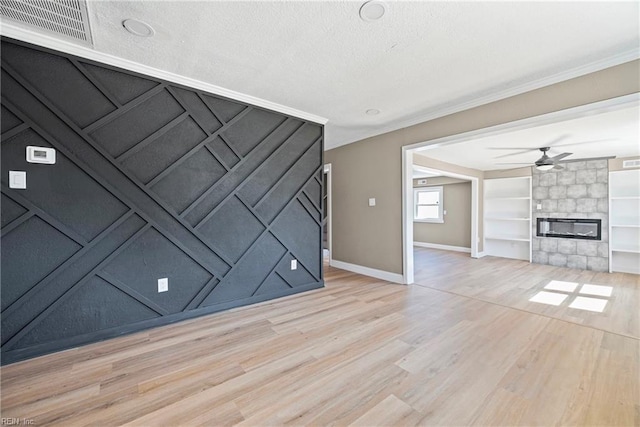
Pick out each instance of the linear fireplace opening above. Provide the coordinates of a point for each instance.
(569, 228)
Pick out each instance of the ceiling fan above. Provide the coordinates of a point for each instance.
(546, 162)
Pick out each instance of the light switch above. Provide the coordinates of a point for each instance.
(539, 206)
(294, 264)
(372, 201)
(163, 284)
(18, 180)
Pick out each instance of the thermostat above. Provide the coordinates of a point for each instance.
(41, 155)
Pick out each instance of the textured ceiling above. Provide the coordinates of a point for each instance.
(420, 60)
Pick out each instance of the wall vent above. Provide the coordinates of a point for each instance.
(631, 163)
(67, 18)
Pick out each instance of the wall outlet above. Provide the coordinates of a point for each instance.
(539, 206)
(294, 264)
(163, 284)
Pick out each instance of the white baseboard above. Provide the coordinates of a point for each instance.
(443, 247)
(481, 254)
(367, 271)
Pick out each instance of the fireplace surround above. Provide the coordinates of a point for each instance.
(569, 228)
(580, 190)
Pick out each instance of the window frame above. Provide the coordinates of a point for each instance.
(436, 188)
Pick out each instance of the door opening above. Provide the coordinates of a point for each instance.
(326, 215)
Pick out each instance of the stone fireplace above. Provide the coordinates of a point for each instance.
(579, 191)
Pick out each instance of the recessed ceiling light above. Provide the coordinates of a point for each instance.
(372, 10)
(372, 112)
(138, 28)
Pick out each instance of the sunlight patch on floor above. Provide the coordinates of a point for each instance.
(590, 304)
(550, 298)
(561, 291)
(558, 285)
(599, 290)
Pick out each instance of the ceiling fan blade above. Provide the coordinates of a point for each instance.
(512, 148)
(558, 167)
(506, 170)
(584, 159)
(560, 156)
(594, 141)
(514, 154)
(558, 139)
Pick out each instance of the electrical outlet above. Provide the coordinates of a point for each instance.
(163, 284)
(294, 264)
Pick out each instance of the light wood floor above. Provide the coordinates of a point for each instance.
(464, 346)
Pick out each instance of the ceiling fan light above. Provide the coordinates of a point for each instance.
(544, 167)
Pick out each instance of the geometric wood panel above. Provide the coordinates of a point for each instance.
(152, 180)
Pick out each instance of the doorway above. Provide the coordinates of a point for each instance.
(409, 210)
(326, 216)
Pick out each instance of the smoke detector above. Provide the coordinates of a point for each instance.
(372, 10)
(138, 28)
(64, 18)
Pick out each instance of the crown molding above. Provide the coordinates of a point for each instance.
(446, 110)
(7, 29)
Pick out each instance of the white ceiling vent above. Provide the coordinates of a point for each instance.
(631, 164)
(67, 18)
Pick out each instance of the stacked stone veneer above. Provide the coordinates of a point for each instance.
(580, 190)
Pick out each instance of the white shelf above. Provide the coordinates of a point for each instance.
(508, 238)
(624, 220)
(627, 250)
(507, 217)
(626, 262)
(495, 218)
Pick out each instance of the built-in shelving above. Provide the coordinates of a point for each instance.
(507, 217)
(624, 221)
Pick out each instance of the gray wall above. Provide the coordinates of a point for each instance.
(456, 229)
(152, 180)
(580, 190)
(373, 167)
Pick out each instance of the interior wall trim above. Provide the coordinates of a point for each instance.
(468, 103)
(367, 271)
(606, 105)
(12, 31)
(443, 247)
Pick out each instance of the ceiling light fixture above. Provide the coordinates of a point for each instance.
(372, 112)
(138, 28)
(372, 10)
(545, 167)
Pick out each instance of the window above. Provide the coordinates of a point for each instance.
(428, 204)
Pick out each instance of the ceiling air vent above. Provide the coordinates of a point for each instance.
(631, 164)
(67, 18)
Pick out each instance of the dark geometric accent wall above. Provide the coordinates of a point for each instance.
(152, 180)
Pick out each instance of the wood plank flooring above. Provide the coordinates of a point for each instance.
(464, 346)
